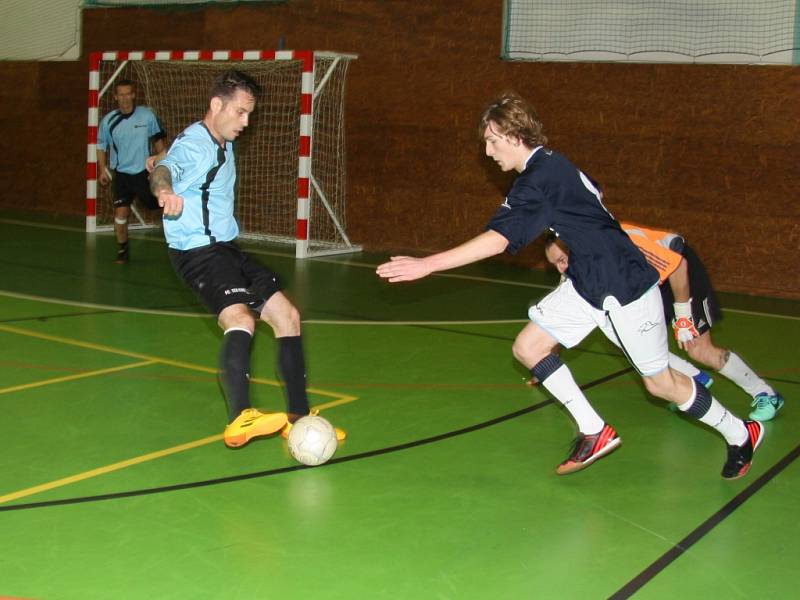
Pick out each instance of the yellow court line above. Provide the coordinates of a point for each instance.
(27, 386)
(340, 399)
(107, 469)
(135, 461)
(339, 402)
(166, 361)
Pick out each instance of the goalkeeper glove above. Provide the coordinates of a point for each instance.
(683, 323)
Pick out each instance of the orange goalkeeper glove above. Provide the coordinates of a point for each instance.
(683, 323)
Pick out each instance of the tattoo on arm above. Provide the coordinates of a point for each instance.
(160, 180)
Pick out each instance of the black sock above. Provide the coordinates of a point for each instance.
(292, 370)
(234, 366)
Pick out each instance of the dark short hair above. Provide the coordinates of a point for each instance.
(514, 116)
(226, 84)
(123, 82)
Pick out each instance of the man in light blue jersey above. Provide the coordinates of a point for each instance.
(127, 134)
(610, 286)
(194, 184)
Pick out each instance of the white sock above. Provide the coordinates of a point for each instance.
(720, 418)
(562, 385)
(684, 366)
(739, 373)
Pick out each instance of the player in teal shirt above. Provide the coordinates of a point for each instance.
(194, 184)
(123, 145)
(203, 172)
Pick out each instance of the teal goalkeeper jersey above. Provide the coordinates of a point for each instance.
(204, 175)
(127, 138)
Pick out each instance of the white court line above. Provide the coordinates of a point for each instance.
(125, 309)
(42, 225)
(328, 260)
(322, 260)
(169, 313)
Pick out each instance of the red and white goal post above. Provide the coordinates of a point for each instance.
(290, 160)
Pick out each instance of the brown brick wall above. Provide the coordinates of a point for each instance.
(709, 150)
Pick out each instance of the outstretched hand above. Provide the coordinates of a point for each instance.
(404, 268)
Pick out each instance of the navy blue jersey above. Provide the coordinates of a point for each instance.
(552, 193)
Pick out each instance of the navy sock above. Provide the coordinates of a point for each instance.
(292, 370)
(546, 367)
(234, 366)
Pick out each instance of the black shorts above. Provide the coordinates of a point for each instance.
(127, 187)
(705, 308)
(222, 275)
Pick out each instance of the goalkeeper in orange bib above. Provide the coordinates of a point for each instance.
(690, 304)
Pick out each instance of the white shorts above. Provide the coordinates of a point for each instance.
(638, 328)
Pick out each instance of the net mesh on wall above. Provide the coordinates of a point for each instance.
(723, 31)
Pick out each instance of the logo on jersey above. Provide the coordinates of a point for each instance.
(646, 326)
(240, 290)
(505, 204)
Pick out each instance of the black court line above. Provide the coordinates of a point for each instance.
(202, 312)
(445, 328)
(334, 461)
(704, 528)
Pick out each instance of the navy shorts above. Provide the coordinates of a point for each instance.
(222, 275)
(705, 307)
(127, 187)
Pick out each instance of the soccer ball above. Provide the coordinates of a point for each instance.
(312, 440)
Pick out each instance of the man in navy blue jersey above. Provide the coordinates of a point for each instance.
(126, 135)
(195, 185)
(611, 286)
(690, 304)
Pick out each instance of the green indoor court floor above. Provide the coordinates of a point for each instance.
(116, 484)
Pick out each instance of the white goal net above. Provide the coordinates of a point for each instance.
(290, 160)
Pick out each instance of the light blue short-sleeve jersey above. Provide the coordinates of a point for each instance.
(128, 136)
(203, 174)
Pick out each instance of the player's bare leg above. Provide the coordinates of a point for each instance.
(742, 437)
(533, 348)
(702, 349)
(121, 215)
(766, 401)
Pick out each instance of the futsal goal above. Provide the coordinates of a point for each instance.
(290, 160)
